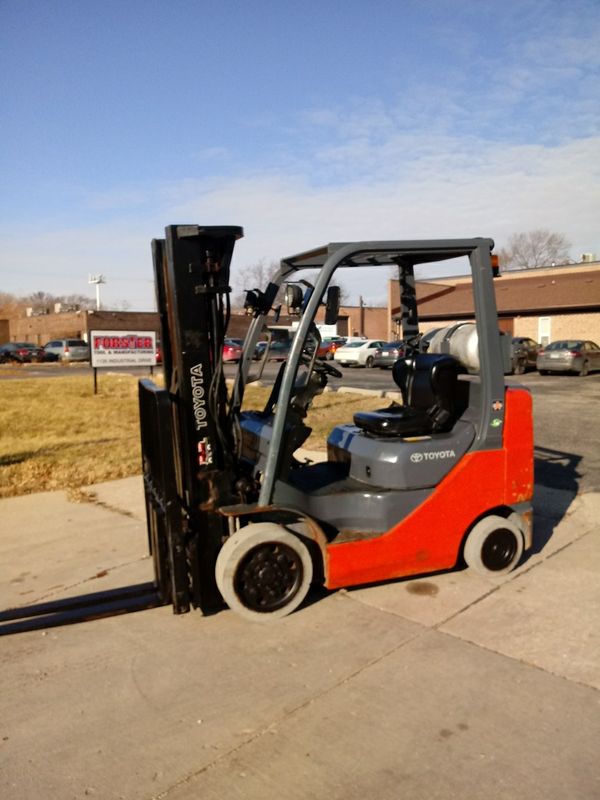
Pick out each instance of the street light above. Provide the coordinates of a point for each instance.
(97, 280)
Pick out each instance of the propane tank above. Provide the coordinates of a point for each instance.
(459, 340)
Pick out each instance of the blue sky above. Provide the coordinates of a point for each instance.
(304, 122)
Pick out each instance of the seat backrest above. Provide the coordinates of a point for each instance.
(429, 382)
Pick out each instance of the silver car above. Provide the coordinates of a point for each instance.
(69, 349)
(386, 356)
(569, 355)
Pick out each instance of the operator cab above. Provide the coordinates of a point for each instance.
(384, 463)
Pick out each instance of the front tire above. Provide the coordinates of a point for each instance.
(264, 572)
(494, 546)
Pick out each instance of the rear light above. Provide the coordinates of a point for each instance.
(541, 352)
(575, 353)
(495, 266)
(66, 348)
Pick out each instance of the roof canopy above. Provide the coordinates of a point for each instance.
(386, 253)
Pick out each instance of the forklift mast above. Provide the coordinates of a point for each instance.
(188, 450)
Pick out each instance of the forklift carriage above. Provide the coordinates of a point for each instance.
(409, 489)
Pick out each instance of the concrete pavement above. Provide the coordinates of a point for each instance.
(442, 687)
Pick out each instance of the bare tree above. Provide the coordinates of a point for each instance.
(117, 305)
(534, 249)
(81, 300)
(9, 304)
(254, 276)
(47, 300)
(39, 299)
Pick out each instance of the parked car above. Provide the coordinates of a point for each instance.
(386, 356)
(279, 350)
(569, 355)
(523, 355)
(232, 351)
(21, 353)
(45, 355)
(328, 347)
(359, 353)
(68, 349)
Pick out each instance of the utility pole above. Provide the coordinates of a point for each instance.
(361, 315)
(97, 280)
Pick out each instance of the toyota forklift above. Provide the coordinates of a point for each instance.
(237, 516)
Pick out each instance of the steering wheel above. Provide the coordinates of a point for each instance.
(324, 366)
(320, 366)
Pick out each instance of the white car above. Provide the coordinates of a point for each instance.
(359, 353)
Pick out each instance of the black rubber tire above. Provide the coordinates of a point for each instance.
(263, 572)
(519, 367)
(329, 356)
(584, 369)
(369, 362)
(544, 371)
(494, 546)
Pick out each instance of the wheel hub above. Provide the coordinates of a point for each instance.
(268, 576)
(499, 549)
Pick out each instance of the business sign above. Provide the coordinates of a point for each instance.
(123, 348)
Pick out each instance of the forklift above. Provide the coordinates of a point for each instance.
(235, 516)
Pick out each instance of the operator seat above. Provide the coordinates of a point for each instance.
(433, 398)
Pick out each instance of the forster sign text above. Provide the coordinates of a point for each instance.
(123, 348)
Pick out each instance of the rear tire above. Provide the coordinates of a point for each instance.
(584, 369)
(519, 368)
(369, 362)
(263, 572)
(494, 546)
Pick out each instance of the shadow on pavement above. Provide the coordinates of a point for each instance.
(556, 485)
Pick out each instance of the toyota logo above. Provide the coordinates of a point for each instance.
(416, 457)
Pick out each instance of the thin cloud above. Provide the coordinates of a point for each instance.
(445, 192)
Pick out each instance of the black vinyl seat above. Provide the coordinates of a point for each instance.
(432, 396)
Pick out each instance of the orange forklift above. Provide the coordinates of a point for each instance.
(236, 516)
(443, 478)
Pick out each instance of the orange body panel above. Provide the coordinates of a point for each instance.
(430, 538)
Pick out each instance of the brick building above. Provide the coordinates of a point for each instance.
(545, 303)
(370, 321)
(42, 328)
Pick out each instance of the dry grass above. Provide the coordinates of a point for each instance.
(56, 434)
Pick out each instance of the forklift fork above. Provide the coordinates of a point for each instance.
(81, 608)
